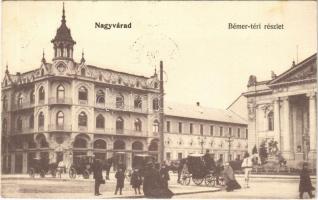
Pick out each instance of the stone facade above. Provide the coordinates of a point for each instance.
(66, 108)
(195, 129)
(284, 110)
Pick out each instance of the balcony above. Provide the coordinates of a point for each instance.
(125, 108)
(129, 132)
(24, 130)
(56, 127)
(24, 105)
(54, 100)
(82, 102)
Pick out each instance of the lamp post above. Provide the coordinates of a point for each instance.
(229, 140)
(305, 145)
(201, 142)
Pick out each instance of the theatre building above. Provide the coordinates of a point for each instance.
(64, 108)
(284, 110)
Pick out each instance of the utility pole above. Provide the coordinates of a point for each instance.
(161, 116)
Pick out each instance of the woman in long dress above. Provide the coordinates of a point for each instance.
(229, 178)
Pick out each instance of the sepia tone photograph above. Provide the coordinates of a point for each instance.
(159, 99)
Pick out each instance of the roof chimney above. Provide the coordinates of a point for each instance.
(198, 103)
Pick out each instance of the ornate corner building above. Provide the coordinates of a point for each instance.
(284, 110)
(66, 108)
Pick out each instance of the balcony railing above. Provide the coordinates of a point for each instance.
(60, 101)
(56, 127)
(121, 107)
(24, 105)
(24, 130)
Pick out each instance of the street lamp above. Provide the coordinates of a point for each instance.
(201, 142)
(229, 140)
(305, 145)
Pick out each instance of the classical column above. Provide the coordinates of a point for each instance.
(312, 125)
(276, 122)
(24, 162)
(286, 128)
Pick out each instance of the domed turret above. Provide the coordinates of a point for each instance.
(63, 41)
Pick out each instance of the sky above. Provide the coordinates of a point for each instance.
(204, 61)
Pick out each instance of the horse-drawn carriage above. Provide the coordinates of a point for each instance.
(82, 165)
(42, 166)
(198, 171)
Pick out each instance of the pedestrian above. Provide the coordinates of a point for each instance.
(229, 178)
(209, 162)
(247, 166)
(97, 173)
(218, 169)
(61, 168)
(305, 182)
(181, 166)
(164, 175)
(120, 176)
(136, 180)
(107, 165)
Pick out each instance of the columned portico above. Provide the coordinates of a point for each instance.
(312, 125)
(286, 129)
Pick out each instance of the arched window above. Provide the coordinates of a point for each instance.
(41, 119)
(138, 125)
(32, 96)
(270, 118)
(155, 127)
(83, 72)
(137, 146)
(43, 143)
(119, 144)
(153, 146)
(100, 121)
(60, 119)
(119, 125)
(41, 94)
(99, 144)
(137, 102)
(5, 103)
(42, 72)
(82, 93)
(120, 101)
(155, 85)
(80, 143)
(155, 104)
(31, 121)
(100, 97)
(20, 99)
(82, 119)
(100, 77)
(60, 92)
(19, 124)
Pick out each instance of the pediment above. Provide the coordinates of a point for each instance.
(304, 71)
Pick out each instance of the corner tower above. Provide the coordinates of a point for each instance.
(63, 42)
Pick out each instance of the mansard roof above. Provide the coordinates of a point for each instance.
(202, 113)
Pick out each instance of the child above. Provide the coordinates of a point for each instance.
(136, 180)
(120, 176)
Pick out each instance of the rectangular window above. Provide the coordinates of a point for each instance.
(180, 127)
(221, 131)
(168, 126)
(191, 128)
(246, 134)
(211, 130)
(238, 132)
(168, 155)
(201, 129)
(230, 131)
(179, 156)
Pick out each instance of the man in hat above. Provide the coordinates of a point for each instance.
(97, 172)
(305, 182)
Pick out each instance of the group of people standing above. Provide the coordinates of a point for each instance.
(153, 177)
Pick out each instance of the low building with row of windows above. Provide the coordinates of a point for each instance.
(65, 109)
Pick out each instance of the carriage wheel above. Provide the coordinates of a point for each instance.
(185, 180)
(31, 173)
(86, 174)
(197, 181)
(42, 173)
(72, 173)
(209, 180)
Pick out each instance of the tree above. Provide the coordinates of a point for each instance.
(254, 150)
(263, 153)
